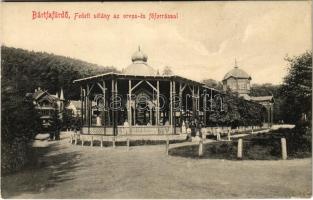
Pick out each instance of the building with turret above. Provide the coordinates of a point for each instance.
(238, 81)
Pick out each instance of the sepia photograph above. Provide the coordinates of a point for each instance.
(156, 100)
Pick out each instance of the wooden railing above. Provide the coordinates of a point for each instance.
(161, 130)
(122, 130)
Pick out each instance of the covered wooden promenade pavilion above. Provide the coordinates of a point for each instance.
(123, 104)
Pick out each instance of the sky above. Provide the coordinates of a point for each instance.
(202, 43)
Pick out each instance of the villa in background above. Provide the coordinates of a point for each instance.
(238, 81)
(47, 104)
(75, 108)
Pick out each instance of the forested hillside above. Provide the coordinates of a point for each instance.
(27, 70)
(21, 72)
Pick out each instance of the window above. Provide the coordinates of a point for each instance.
(242, 86)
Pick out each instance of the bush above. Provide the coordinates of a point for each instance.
(299, 141)
(19, 124)
(14, 156)
(237, 112)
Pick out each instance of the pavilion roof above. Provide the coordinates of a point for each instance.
(136, 77)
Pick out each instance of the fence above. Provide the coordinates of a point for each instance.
(122, 130)
(161, 130)
(224, 130)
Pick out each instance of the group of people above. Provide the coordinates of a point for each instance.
(54, 128)
(193, 128)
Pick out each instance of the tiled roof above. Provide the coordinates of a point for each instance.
(140, 68)
(237, 73)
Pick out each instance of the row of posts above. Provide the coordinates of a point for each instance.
(200, 153)
(76, 137)
(240, 148)
(283, 148)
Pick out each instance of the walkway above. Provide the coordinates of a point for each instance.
(68, 171)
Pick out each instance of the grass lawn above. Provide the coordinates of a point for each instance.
(66, 171)
(261, 146)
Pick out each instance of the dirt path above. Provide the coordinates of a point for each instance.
(66, 171)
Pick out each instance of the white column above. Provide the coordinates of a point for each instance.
(129, 107)
(171, 104)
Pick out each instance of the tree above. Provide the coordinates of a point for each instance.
(19, 119)
(31, 69)
(22, 72)
(167, 71)
(236, 112)
(266, 89)
(297, 89)
(213, 84)
(20, 122)
(55, 124)
(68, 119)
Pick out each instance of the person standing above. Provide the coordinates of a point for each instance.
(193, 129)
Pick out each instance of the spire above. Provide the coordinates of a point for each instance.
(236, 66)
(138, 47)
(57, 95)
(61, 95)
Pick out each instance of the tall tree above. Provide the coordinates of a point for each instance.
(213, 84)
(297, 89)
(167, 71)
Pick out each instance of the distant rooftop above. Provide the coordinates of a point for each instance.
(262, 98)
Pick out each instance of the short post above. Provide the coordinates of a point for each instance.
(82, 139)
(113, 142)
(200, 148)
(71, 139)
(91, 143)
(239, 150)
(167, 146)
(228, 135)
(75, 139)
(127, 144)
(101, 141)
(283, 148)
(218, 136)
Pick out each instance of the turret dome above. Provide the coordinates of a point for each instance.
(237, 73)
(139, 67)
(139, 56)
